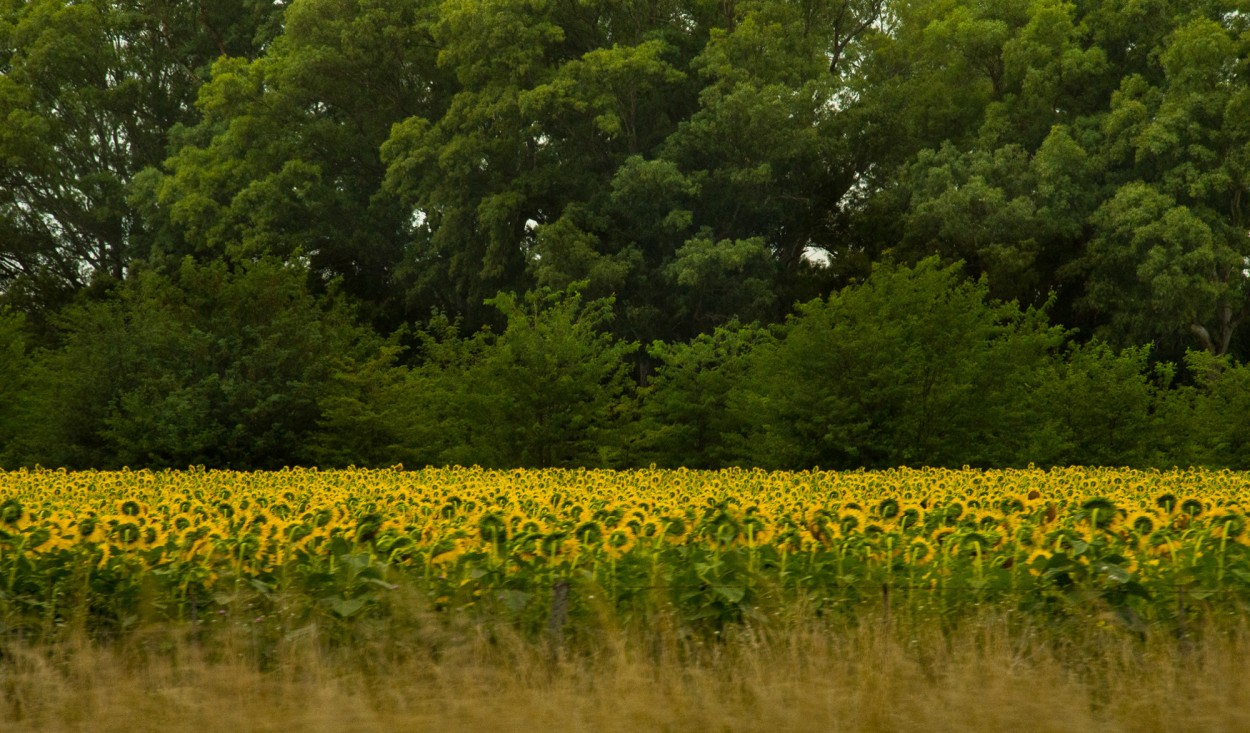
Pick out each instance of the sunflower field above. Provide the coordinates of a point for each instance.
(110, 549)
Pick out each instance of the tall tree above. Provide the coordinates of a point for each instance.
(88, 93)
(987, 111)
(678, 154)
(553, 97)
(1171, 248)
(285, 160)
(1092, 150)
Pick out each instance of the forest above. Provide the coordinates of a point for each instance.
(618, 233)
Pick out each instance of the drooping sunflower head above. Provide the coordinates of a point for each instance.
(909, 517)
(851, 520)
(1036, 563)
(1011, 504)
(1193, 506)
(941, 535)
(675, 528)
(1141, 523)
(919, 550)
(619, 542)
(1098, 511)
(887, 508)
(12, 513)
(649, 528)
(1227, 523)
(589, 533)
(126, 532)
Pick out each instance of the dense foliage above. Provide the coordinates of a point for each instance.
(541, 233)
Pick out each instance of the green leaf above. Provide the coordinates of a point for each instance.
(1114, 572)
(514, 600)
(347, 607)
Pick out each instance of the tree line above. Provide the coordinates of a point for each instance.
(917, 365)
(618, 232)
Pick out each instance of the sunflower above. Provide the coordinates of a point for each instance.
(920, 551)
(850, 519)
(909, 516)
(757, 531)
(675, 529)
(1227, 524)
(1193, 506)
(1036, 562)
(1141, 523)
(619, 542)
(887, 508)
(154, 536)
(941, 535)
(448, 551)
(126, 532)
(1013, 504)
(1099, 511)
(13, 515)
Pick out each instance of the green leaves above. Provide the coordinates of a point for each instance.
(15, 365)
(285, 160)
(551, 389)
(690, 409)
(88, 94)
(208, 366)
(1175, 236)
(914, 366)
(1096, 160)
(554, 384)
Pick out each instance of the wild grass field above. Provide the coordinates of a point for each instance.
(986, 675)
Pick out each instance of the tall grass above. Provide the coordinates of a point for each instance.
(992, 673)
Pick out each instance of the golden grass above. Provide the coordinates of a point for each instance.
(984, 676)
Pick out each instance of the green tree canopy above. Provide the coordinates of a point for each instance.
(552, 388)
(209, 365)
(284, 160)
(88, 93)
(14, 365)
(916, 366)
(1089, 150)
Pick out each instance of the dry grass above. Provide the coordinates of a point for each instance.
(806, 677)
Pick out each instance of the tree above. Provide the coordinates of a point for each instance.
(1210, 423)
(1091, 152)
(688, 409)
(14, 365)
(550, 389)
(1105, 408)
(1170, 250)
(983, 118)
(88, 93)
(1013, 215)
(212, 365)
(284, 161)
(513, 179)
(915, 366)
(555, 385)
(668, 153)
